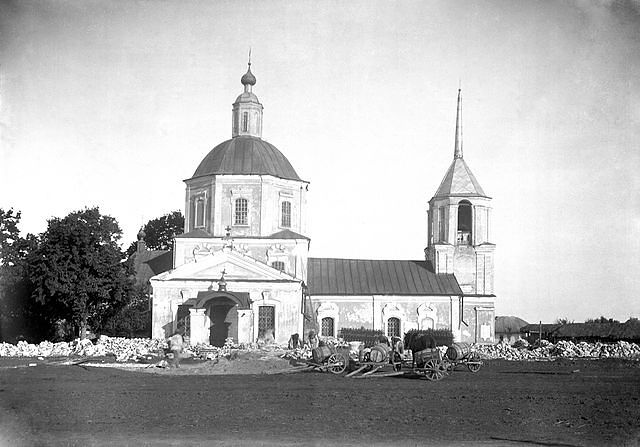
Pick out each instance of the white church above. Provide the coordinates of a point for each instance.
(242, 269)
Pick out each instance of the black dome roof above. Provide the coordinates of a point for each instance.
(246, 155)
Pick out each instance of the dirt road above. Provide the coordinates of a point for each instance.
(506, 403)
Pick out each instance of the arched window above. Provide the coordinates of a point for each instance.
(465, 222)
(241, 212)
(393, 327)
(278, 265)
(327, 329)
(199, 211)
(286, 215)
(245, 121)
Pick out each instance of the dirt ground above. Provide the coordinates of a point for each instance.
(561, 403)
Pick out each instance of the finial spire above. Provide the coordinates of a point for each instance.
(249, 56)
(457, 153)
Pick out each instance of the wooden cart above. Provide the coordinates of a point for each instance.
(329, 358)
(428, 363)
(379, 361)
(462, 354)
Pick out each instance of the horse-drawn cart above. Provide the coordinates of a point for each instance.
(378, 361)
(328, 358)
(428, 363)
(462, 354)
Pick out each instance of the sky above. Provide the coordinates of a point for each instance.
(115, 103)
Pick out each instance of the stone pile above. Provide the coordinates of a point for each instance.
(124, 349)
(562, 349)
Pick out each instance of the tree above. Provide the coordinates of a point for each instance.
(78, 270)
(602, 319)
(159, 232)
(563, 320)
(14, 282)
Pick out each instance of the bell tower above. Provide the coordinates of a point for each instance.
(459, 220)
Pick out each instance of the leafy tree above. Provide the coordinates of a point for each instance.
(160, 232)
(133, 320)
(602, 319)
(14, 283)
(78, 270)
(563, 320)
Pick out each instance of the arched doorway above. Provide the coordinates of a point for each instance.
(223, 314)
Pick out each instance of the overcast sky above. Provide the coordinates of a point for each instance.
(114, 103)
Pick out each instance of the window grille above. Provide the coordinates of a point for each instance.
(266, 320)
(242, 211)
(393, 327)
(286, 214)
(278, 265)
(327, 329)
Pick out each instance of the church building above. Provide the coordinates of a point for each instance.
(242, 269)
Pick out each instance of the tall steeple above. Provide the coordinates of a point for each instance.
(247, 110)
(459, 224)
(457, 152)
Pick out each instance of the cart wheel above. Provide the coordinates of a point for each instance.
(475, 363)
(397, 361)
(339, 363)
(448, 366)
(434, 370)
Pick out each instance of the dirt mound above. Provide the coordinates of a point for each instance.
(238, 362)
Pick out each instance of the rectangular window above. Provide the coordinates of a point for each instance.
(266, 321)
(441, 224)
(200, 213)
(241, 212)
(286, 215)
(278, 265)
(245, 121)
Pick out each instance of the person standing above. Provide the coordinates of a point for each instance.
(176, 346)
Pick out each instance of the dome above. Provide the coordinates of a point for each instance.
(246, 155)
(248, 78)
(247, 97)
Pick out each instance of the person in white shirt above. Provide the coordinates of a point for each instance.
(176, 345)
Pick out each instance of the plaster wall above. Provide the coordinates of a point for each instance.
(373, 312)
(293, 252)
(285, 297)
(478, 321)
(264, 195)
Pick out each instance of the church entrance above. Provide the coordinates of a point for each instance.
(223, 315)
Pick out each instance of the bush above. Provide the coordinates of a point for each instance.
(443, 337)
(368, 336)
(131, 321)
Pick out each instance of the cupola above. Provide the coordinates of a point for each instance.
(247, 110)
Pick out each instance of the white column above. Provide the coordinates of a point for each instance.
(198, 321)
(245, 326)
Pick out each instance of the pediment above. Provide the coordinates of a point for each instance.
(237, 267)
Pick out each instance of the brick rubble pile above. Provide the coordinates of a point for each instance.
(132, 349)
(562, 349)
(124, 349)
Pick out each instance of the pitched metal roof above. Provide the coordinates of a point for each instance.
(287, 234)
(331, 276)
(246, 155)
(148, 263)
(459, 181)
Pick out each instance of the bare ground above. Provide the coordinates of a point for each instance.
(566, 402)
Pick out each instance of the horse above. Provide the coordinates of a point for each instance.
(417, 341)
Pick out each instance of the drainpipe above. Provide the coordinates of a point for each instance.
(373, 312)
